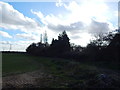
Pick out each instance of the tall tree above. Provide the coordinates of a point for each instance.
(61, 45)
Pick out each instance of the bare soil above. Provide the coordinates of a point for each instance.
(23, 80)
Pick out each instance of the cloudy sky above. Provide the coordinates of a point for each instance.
(22, 23)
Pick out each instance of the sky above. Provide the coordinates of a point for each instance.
(22, 23)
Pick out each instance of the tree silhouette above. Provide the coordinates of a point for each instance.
(104, 47)
(61, 45)
(31, 49)
(114, 47)
(57, 47)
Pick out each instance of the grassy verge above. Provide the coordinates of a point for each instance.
(64, 73)
(17, 63)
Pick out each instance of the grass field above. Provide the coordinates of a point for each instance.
(64, 71)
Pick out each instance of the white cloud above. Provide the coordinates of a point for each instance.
(26, 36)
(13, 19)
(85, 10)
(52, 19)
(5, 34)
(39, 14)
(81, 38)
(59, 3)
(14, 45)
(82, 12)
(82, 19)
(116, 13)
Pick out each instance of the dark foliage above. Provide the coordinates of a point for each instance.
(104, 47)
(60, 46)
(39, 49)
(57, 47)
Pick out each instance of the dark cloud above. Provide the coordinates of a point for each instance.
(98, 27)
(71, 27)
(75, 37)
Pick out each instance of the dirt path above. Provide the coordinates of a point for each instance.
(19, 81)
(30, 79)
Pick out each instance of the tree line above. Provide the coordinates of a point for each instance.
(104, 47)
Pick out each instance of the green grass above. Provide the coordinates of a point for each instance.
(17, 63)
(66, 73)
(13, 63)
(113, 65)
